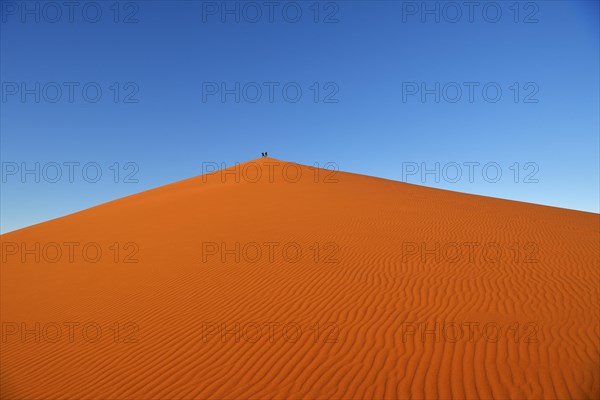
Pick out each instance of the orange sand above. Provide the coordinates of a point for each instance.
(366, 311)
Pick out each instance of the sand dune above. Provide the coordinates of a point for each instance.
(302, 284)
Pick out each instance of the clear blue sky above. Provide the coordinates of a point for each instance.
(370, 60)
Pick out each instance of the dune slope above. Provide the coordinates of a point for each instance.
(300, 283)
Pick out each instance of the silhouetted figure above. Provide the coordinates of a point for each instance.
(264, 154)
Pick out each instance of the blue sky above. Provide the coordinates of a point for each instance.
(136, 87)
